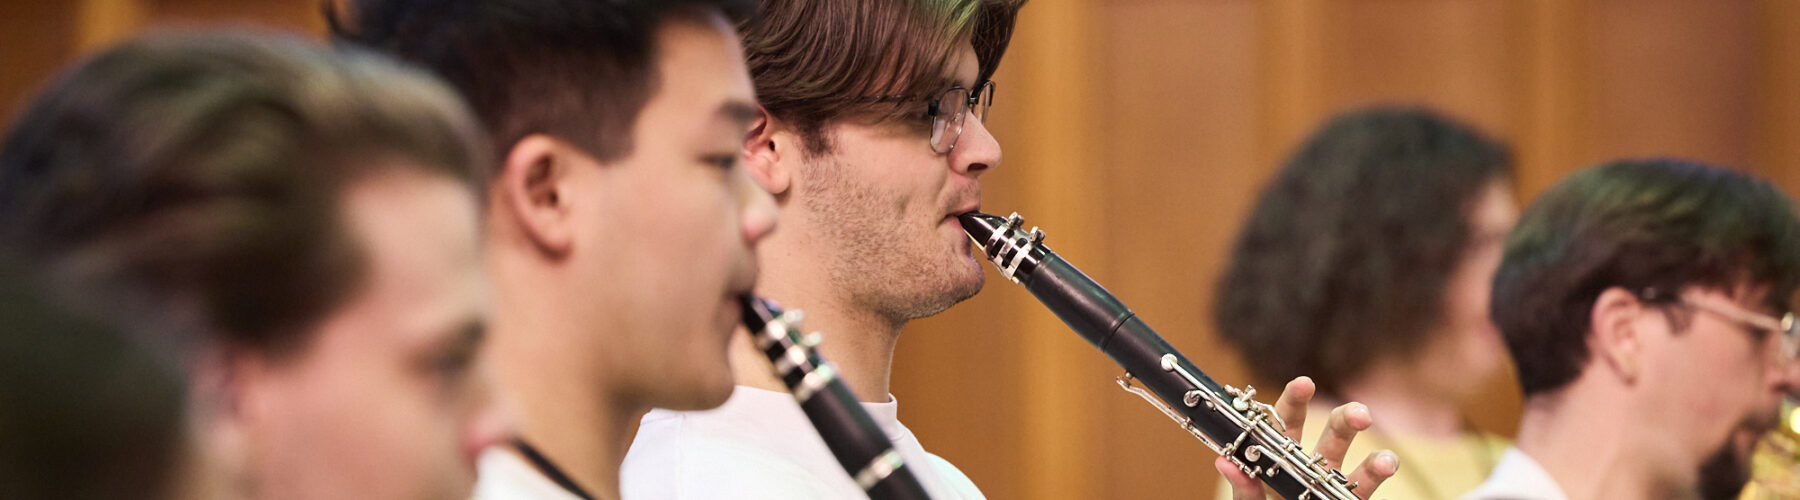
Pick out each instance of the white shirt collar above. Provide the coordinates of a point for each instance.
(1519, 477)
(504, 475)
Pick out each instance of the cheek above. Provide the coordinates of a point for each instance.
(679, 253)
(691, 233)
(901, 175)
(365, 427)
(412, 436)
(1724, 386)
(1466, 304)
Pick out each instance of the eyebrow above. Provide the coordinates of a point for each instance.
(738, 111)
(469, 337)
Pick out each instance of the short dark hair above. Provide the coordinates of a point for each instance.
(815, 61)
(580, 70)
(194, 178)
(1666, 224)
(1346, 253)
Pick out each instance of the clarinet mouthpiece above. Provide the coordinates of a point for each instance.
(981, 227)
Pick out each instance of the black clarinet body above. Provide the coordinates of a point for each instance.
(859, 445)
(1228, 420)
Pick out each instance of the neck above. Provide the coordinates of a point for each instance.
(557, 414)
(859, 341)
(563, 407)
(1580, 442)
(861, 347)
(1403, 405)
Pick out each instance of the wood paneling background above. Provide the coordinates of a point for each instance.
(1137, 132)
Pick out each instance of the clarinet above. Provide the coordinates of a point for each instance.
(852, 435)
(1228, 420)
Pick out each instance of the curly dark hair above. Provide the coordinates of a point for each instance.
(1665, 224)
(1346, 254)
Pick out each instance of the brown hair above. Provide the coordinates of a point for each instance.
(816, 61)
(193, 179)
(1658, 223)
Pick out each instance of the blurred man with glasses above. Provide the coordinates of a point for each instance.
(1646, 304)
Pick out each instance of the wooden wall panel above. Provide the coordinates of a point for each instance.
(1776, 152)
(1182, 165)
(1138, 132)
(36, 38)
(1657, 90)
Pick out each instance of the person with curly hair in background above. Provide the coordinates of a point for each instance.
(1365, 266)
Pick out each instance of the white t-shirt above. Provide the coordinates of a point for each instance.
(503, 475)
(760, 445)
(1517, 477)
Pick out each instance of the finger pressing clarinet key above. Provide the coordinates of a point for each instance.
(1340, 430)
(1291, 405)
(1376, 469)
(1243, 487)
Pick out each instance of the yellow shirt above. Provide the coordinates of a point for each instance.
(1430, 468)
(1773, 469)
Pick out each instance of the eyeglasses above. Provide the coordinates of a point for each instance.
(947, 111)
(1762, 323)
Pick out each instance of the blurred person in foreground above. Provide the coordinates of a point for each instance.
(308, 215)
(1366, 265)
(85, 411)
(869, 132)
(1647, 306)
(620, 226)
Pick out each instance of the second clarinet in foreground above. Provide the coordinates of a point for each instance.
(851, 434)
(1228, 420)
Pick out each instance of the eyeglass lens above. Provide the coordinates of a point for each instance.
(947, 125)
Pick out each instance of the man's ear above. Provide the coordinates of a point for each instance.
(222, 384)
(533, 190)
(764, 145)
(1617, 333)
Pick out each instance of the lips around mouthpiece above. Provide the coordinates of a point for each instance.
(981, 226)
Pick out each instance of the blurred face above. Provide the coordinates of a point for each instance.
(886, 206)
(1725, 379)
(671, 227)
(1468, 347)
(384, 402)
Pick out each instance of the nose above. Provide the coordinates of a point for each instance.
(1785, 376)
(758, 211)
(976, 150)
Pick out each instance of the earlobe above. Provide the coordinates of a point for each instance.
(763, 149)
(534, 194)
(221, 400)
(1617, 338)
